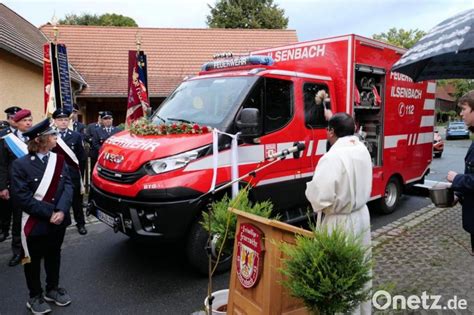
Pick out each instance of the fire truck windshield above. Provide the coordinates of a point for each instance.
(207, 101)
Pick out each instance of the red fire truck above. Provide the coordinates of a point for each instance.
(157, 185)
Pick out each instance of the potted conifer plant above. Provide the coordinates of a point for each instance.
(221, 225)
(327, 271)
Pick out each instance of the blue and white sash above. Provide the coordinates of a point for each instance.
(18, 147)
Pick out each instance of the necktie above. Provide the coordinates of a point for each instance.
(108, 130)
(62, 134)
(45, 159)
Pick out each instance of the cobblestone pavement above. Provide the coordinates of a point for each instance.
(425, 251)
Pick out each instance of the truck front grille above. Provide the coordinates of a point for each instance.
(119, 177)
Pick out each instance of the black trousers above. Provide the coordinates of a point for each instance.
(47, 247)
(5, 216)
(93, 161)
(77, 202)
(7, 211)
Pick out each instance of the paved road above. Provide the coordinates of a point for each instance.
(452, 159)
(107, 273)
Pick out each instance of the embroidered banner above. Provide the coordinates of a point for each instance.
(64, 77)
(138, 100)
(56, 78)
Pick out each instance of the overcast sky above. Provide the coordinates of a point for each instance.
(311, 19)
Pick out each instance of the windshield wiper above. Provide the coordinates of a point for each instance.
(158, 116)
(180, 120)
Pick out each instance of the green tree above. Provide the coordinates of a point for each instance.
(107, 19)
(400, 37)
(247, 14)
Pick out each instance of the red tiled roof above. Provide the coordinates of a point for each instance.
(23, 39)
(445, 92)
(101, 53)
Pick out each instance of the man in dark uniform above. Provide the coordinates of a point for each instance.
(90, 129)
(100, 135)
(11, 111)
(10, 149)
(42, 189)
(77, 126)
(75, 158)
(89, 134)
(463, 184)
(4, 130)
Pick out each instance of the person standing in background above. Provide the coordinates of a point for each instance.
(12, 146)
(11, 111)
(69, 144)
(101, 134)
(463, 184)
(77, 126)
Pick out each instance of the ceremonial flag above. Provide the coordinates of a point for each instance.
(138, 101)
(56, 78)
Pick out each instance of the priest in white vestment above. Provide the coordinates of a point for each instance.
(342, 184)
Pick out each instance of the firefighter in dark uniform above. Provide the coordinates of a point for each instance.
(77, 126)
(101, 134)
(4, 221)
(463, 184)
(9, 153)
(89, 135)
(42, 189)
(11, 111)
(73, 140)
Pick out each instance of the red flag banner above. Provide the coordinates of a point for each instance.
(47, 76)
(138, 100)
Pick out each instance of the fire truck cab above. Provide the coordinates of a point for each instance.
(157, 185)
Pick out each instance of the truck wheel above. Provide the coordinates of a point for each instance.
(438, 154)
(389, 202)
(197, 254)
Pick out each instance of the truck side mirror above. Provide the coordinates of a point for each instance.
(248, 122)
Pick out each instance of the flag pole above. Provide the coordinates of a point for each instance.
(138, 42)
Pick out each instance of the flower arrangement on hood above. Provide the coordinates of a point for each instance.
(145, 127)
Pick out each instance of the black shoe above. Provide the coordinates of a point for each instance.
(15, 260)
(3, 236)
(82, 229)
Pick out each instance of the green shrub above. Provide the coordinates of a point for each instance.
(224, 222)
(327, 271)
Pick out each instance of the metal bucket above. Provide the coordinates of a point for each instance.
(442, 195)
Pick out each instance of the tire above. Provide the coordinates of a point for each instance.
(438, 154)
(196, 252)
(389, 202)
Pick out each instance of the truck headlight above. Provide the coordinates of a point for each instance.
(172, 163)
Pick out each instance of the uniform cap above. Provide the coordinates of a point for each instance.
(61, 113)
(40, 129)
(21, 114)
(105, 114)
(10, 111)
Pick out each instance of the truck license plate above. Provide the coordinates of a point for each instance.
(104, 217)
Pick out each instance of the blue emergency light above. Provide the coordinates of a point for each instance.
(237, 62)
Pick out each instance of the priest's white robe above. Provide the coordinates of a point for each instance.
(340, 188)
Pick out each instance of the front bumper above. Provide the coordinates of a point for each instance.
(167, 220)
